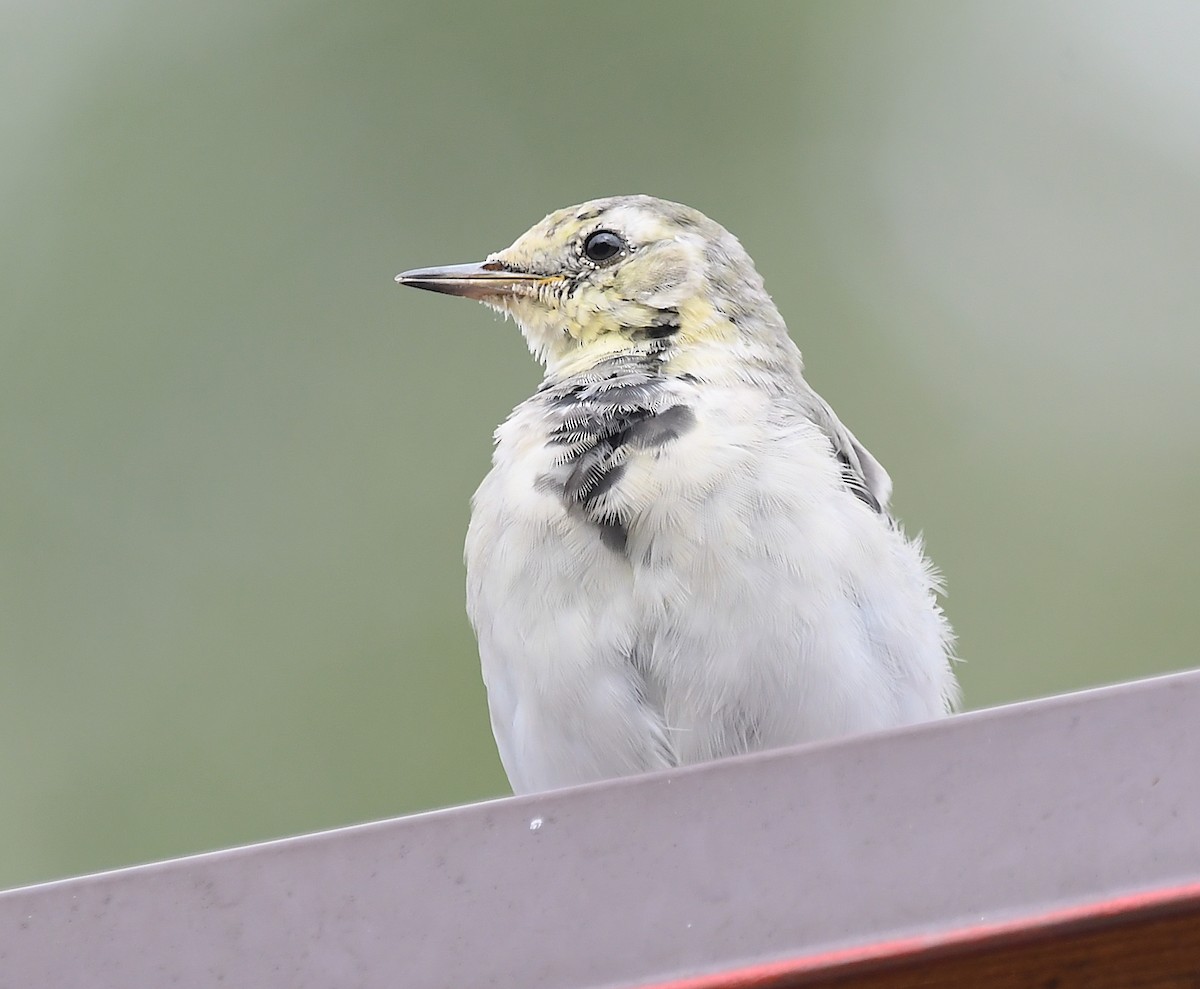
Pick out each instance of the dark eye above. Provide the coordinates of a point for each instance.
(603, 246)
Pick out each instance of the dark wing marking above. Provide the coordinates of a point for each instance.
(863, 474)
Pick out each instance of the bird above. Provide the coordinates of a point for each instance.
(680, 553)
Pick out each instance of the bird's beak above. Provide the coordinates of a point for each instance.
(484, 280)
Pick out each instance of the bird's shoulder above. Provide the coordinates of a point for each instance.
(861, 472)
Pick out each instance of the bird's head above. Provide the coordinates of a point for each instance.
(619, 274)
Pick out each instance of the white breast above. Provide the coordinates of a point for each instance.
(756, 602)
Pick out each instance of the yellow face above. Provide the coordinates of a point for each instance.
(596, 279)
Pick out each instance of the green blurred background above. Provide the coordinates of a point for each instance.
(236, 460)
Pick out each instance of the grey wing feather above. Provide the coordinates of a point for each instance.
(864, 474)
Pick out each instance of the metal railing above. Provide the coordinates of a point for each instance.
(1051, 840)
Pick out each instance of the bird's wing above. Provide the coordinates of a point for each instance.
(864, 474)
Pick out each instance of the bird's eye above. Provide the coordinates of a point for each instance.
(603, 246)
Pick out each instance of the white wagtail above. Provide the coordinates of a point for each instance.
(680, 552)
